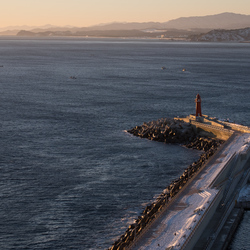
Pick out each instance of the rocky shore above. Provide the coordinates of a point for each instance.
(167, 130)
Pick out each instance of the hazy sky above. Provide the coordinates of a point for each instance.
(90, 12)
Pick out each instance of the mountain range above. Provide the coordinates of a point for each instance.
(180, 27)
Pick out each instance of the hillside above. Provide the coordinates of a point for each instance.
(236, 35)
(170, 34)
(180, 28)
(219, 21)
(220, 35)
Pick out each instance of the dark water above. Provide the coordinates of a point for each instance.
(70, 177)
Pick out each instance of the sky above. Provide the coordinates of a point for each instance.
(83, 13)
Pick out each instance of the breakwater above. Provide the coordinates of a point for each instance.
(167, 130)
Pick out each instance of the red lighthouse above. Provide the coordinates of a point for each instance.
(198, 105)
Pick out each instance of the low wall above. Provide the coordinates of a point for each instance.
(232, 224)
(231, 176)
(201, 226)
(210, 127)
(212, 131)
(237, 127)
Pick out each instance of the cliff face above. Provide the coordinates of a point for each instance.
(239, 35)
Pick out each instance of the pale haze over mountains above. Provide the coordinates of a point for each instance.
(220, 21)
(199, 24)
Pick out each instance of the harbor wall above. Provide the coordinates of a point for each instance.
(232, 217)
(171, 131)
(233, 176)
(201, 226)
(208, 127)
(212, 131)
(231, 226)
(233, 170)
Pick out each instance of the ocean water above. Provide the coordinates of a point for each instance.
(70, 175)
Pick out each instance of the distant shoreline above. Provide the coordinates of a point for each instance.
(210, 37)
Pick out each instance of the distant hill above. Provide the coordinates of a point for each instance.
(178, 34)
(219, 21)
(126, 26)
(220, 35)
(178, 28)
(91, 33)
(235, 35)
(27, 27)
(44, 33)
(9, 33)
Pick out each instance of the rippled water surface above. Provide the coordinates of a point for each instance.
(71, 177)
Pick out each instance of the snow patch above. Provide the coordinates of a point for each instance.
(189, 209)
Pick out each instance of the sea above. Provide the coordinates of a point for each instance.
(71, 177)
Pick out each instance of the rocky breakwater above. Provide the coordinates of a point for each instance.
(169, 131)
(165, 130)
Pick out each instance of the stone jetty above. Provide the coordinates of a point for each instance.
(176, 131)
(167, 130)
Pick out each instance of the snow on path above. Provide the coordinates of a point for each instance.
(180, 218)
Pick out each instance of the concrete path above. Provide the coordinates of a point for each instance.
(179, 220)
